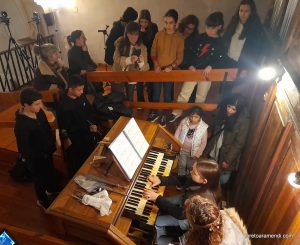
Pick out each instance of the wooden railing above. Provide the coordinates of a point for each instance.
(216, 75)
(19, 70)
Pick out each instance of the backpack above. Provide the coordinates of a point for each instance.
(111, 106)
(20, 171)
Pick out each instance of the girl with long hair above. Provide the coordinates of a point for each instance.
(244, 36)
(131, 55)
(230, 133)
(147, 32)
(203, 180)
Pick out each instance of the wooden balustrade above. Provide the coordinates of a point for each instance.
(216, 75)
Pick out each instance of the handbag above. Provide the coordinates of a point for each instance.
(20, 171)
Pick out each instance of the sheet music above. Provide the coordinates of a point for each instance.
(136, 137)
(129, 147)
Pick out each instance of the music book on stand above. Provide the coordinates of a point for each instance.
(129, 148)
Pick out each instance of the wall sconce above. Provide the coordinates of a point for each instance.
(294, 179)
(271, 72)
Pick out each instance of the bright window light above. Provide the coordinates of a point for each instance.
(55, 4)
(267, 73)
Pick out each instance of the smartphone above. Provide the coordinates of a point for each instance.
(136, 52)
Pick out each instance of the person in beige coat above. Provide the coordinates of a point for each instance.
(131, 55)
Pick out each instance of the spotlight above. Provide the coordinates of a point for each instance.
(267, 73)
(294, 179)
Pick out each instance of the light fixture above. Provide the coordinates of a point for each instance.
(294, 179)
(272, 72)
(267, 73)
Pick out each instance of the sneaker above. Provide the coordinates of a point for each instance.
(153, 116)
(163, 121)
(173, 117)
(43, 205)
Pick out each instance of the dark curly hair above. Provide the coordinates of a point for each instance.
(190, 19)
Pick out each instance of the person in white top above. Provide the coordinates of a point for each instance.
(244, 37)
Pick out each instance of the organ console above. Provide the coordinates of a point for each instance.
(129, 210)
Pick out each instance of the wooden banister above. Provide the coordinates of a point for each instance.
(170, 106)
(216, 75)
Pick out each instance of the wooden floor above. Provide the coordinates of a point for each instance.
(18, 201)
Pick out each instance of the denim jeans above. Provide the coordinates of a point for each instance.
(163, 221)
(168, 90)
(184, 163)
(225, 176)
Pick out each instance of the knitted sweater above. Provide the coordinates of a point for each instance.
(167, 49)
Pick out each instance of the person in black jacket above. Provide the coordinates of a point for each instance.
(51, 72)
(204, 181)
(208, 52)
(147, 33)
(36, 144)
(117, 31)
(245, 44)
(75, 115)
(243, 37)
(78, 56)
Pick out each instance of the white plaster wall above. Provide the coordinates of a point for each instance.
(91, 15)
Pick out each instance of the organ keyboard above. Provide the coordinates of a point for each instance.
(127, 210)
(137, 207)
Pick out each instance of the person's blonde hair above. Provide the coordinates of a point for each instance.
(45, 50)
(205, 220)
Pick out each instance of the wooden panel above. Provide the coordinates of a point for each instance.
(259, 119)
(216, 75)
(7, 117)
(280, 206)
(256, 172)
(22, 236)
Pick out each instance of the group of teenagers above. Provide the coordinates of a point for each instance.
(205, 168)
(139, 46)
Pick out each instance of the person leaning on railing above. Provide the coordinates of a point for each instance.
(131, 55)
(51, 72)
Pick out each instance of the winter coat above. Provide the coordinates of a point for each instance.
(233, 141)
(116, 32)
(46, 79)
(120, 60)
(80, 60)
